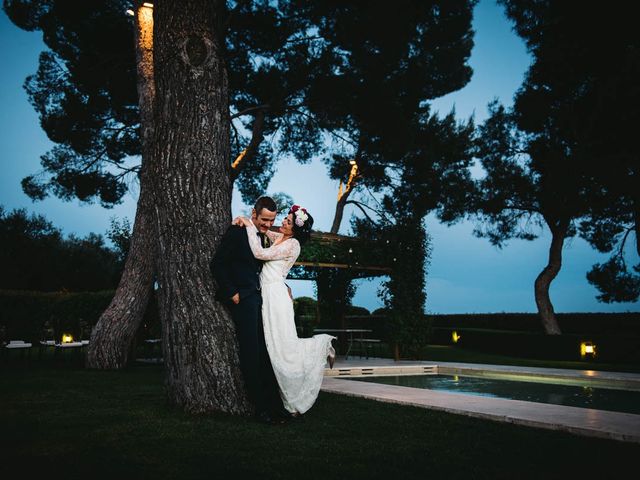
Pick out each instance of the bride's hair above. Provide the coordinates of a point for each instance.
(302, 223)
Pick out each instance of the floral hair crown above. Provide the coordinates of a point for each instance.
(299, 214)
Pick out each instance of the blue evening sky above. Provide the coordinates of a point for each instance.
(465, 275)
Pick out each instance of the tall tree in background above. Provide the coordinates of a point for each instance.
(600, 71)
(531, 181)
(113, 337)
(562, 157)
(385, 71)
(85, 93)
(386, 68)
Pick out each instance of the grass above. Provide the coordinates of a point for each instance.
(60, 420)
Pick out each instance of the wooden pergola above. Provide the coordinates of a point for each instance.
(305, 268)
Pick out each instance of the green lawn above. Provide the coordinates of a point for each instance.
(65, 422)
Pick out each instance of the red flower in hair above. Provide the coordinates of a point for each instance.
(299, 214)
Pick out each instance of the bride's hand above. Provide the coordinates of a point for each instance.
(241, 221)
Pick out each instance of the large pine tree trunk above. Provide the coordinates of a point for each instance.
(192, 191)
(543, 281)
(112, 339)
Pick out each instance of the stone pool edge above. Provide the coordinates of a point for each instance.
(581, 421)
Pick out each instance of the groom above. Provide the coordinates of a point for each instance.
(237, 273)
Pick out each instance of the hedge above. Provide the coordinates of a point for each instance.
(34, 316)
(610, 347)
(628, 322)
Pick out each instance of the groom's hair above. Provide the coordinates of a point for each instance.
(265, 202)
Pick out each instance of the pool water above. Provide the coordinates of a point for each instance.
(598, 398)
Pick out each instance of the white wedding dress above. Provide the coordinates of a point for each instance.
(298, 363)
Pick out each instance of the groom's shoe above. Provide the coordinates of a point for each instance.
(280, 416)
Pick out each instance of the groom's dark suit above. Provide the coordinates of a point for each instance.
(236, 270)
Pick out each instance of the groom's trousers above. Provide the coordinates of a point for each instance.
(261, 383)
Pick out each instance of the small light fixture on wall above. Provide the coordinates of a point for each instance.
(587, 350)
(455, 337)
(67, 338)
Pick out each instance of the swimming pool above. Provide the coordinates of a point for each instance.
(584, 396)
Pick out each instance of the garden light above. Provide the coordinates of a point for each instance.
(67, 338)
(587, 349)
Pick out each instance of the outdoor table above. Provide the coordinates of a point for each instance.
(349, 331)
(20, 345)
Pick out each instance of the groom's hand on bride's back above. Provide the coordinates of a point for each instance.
(236, 298)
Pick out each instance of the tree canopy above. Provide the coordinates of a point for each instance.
(589, 79)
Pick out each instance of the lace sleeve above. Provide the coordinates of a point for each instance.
(273, 236)
(289, 249)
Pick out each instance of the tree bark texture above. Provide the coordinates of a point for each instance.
(113, 337)
(543, 281)
(192, 189)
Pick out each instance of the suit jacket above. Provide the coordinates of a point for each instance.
(234, 267)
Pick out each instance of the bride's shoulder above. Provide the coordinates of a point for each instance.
(273, 236)
(296, 243)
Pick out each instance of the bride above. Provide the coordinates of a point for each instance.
(298, 363)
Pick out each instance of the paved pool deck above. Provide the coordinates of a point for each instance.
(580, 421)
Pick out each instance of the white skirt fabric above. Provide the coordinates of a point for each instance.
(298, 363)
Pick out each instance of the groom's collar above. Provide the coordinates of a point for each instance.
(260, 234)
